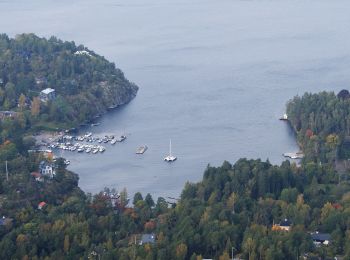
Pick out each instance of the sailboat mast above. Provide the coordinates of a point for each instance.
(170, 148)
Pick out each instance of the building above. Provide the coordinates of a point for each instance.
(320, 238)
(147, 239)
(37, 176)
(284, 225)
(40, 80)
(7, 114)
(5, 221)
(41, 205)
(47, 94)
(47, 169)
(83, 52)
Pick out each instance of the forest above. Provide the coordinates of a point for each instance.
(322, 124)
(234, 209)
(85, 83)
(250, 209)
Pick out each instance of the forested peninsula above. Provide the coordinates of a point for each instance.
(247, 210)
(78, 83)
(322, 124)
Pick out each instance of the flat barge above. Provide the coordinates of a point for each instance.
(141, 149)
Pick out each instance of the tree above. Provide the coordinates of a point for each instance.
(225, 256)
(149, 200)
(249, 246)
(181, 251)
(22, 102)
(123, 198)
(344, 94)
(66, 244)
(137, 197)
(161, 206)
(231, 202)
(35, 108)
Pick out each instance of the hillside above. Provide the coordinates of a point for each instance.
(85, 83)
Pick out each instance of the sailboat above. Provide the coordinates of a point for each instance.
(170, 157)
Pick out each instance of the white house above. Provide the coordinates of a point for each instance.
(47, 94)
(83, 52)
(47, 169)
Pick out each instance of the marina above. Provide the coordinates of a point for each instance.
(87, 143)
(263, 74)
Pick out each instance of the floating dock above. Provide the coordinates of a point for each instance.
(297, 155)
(141, 149)
(284, 117)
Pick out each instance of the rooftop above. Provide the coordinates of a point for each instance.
(36, 174)
(148, 238)
(47, 91)
(4, 221)
(285, 223)
(320, 236)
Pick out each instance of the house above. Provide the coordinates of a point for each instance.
(147, 239)
(41, 205)
(5, 221)
(47, 94)
(336, 206)
(320, 238)
(7, 114)
(83, 52)
(47, 169)
(284, 225)
(37, 176)
(40, 80)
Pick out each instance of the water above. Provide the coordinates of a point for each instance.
(214, 77)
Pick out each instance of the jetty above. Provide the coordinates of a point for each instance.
(284, 117)
(297, 155)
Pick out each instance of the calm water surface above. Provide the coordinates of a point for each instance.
(214, 77)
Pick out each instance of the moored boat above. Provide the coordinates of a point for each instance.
(170, 157)
(120, 138)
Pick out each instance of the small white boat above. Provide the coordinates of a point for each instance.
(88, 150)
(113, 141)
(95, 150)
(101, 149)
(170, 157)
(120, 138)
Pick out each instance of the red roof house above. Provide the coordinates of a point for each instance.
(41, 205)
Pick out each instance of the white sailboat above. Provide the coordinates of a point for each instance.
(170, 157)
